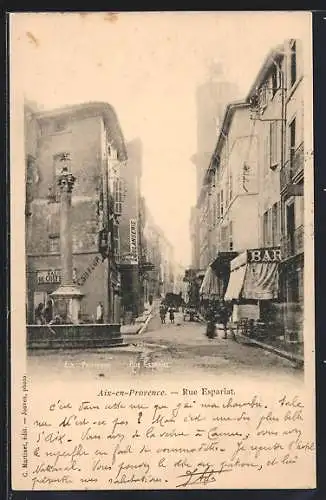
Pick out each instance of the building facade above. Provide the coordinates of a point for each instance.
(212, 97)
(228, 201)
(159, 253)
(251, 198)
(277, 103)
(131, 229)
(292, 190)
(89, 137)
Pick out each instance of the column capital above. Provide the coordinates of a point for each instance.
(66, 180)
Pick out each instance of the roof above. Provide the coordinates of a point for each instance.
(273, 56)
(227, 120)
(90, 109)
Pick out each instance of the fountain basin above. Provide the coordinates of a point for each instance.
(80, 336)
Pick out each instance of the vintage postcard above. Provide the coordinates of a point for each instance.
(162, 256)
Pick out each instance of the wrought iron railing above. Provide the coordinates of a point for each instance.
(293, 167)
(293, 244)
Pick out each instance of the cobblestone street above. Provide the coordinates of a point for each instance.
(179, 350)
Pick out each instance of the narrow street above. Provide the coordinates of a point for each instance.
(179, 350)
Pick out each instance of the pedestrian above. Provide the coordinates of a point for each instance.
(171, 311)
(99, 313)
(162, 313)
(39, 314)
(224, 314)
(57, 320)
(211, 322)
(48, 312)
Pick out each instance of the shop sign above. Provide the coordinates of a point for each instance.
(51, 276)
(128, 259)
(264, 255)
(88, 271)
(133, 239)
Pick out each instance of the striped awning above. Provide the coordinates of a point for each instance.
(211, 286)
(254, 275)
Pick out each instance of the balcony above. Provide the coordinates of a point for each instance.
(292, 245)
(291, 174)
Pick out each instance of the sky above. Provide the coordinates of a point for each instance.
(147, 66)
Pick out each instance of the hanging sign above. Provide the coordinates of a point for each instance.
(133, 239)
(272, 254)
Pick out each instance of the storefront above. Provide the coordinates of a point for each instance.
(216, 278)
(41, 284)
(254, 284)
(292, 295)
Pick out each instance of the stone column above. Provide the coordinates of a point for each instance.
(66, 183)
(67, 291)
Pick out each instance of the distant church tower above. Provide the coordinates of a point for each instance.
(212, 97)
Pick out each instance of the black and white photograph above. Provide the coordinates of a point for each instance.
(162, 234)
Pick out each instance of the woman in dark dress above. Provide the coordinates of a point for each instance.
(39, 314)
(211, 326)
(48, 312)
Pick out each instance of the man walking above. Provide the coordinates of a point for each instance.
(99, 313)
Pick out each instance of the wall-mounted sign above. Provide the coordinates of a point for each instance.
(133, 239)
(264, 255)
(127, 259)
(51, 276)
(90, 268)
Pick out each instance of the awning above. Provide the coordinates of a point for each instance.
(221, 263)
(261, 281)
(254, 275)
(235, 284)
(211, 285)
